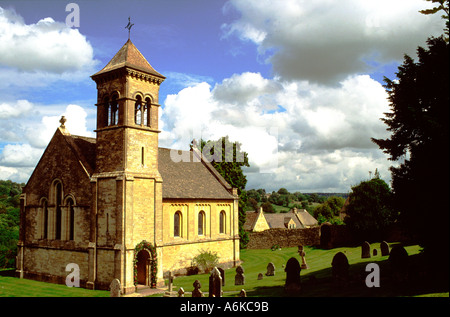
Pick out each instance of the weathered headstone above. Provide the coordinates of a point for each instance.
(302, 254)
(170, 292)
(222, 275)
(292, 270)
(339, 269)
(115, 288)
(197, 292)
(325, 236)
(215, 283)
(270, 269)
(398, 260)
(384, 246)
(239, 278)
(181, 292)
(260, 276)
(243, 293)
(365, 250)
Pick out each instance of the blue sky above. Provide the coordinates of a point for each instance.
(298, 83)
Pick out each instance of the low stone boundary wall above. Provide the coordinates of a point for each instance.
(285, 238)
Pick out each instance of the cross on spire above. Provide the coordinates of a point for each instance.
(129, 26)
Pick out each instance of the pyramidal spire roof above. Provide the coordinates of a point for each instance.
(129, 56)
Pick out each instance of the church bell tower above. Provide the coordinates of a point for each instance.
(126, 185)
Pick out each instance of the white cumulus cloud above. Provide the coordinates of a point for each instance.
(45, 46)
(325, 41)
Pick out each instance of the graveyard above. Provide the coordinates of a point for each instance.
(252, 276)
(317, 278)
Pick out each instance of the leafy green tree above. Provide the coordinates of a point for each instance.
(228, 160)
(370, 212)
(283, 191)
(443, 5)
(419, 126)
(253, 203)
(9, 221)
(267, 207)
(251, 193)
(329, 210)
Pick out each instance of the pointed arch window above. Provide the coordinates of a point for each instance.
(201, 223)
(106, 113)
(138, 110)
(114, 110)
(177, 222)
(45, 219)
(71, 220)
(222, 223)
(58, 218)
(147, 112)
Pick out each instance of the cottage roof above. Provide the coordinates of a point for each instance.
(194, 179)
(305, 218)
(301, 218)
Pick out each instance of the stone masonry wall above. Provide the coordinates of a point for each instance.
(284, 238)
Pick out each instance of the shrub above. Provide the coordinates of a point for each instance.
(206, 261)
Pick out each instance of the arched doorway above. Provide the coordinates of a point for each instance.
(145, 264)
(143, 267)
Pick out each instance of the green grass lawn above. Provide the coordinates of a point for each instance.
(316, 281)
(15, 287)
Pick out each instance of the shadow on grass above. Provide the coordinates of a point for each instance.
(419, 281)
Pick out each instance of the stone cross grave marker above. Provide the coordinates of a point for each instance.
(302, 254)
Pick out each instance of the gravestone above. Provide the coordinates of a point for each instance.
(222, 275)
(239, 278)
(302, 254)
(384, 246)
(215, 283)
(270, 269)
(181, 292)
(325, 236)
(398, 261)
(197, 292)
(260, 276)
(365, 250)
(170, 292)
(292, 270)
(339, 269)
(115, 288)
(243, 293)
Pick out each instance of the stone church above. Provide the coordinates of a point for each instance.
(117, 205)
